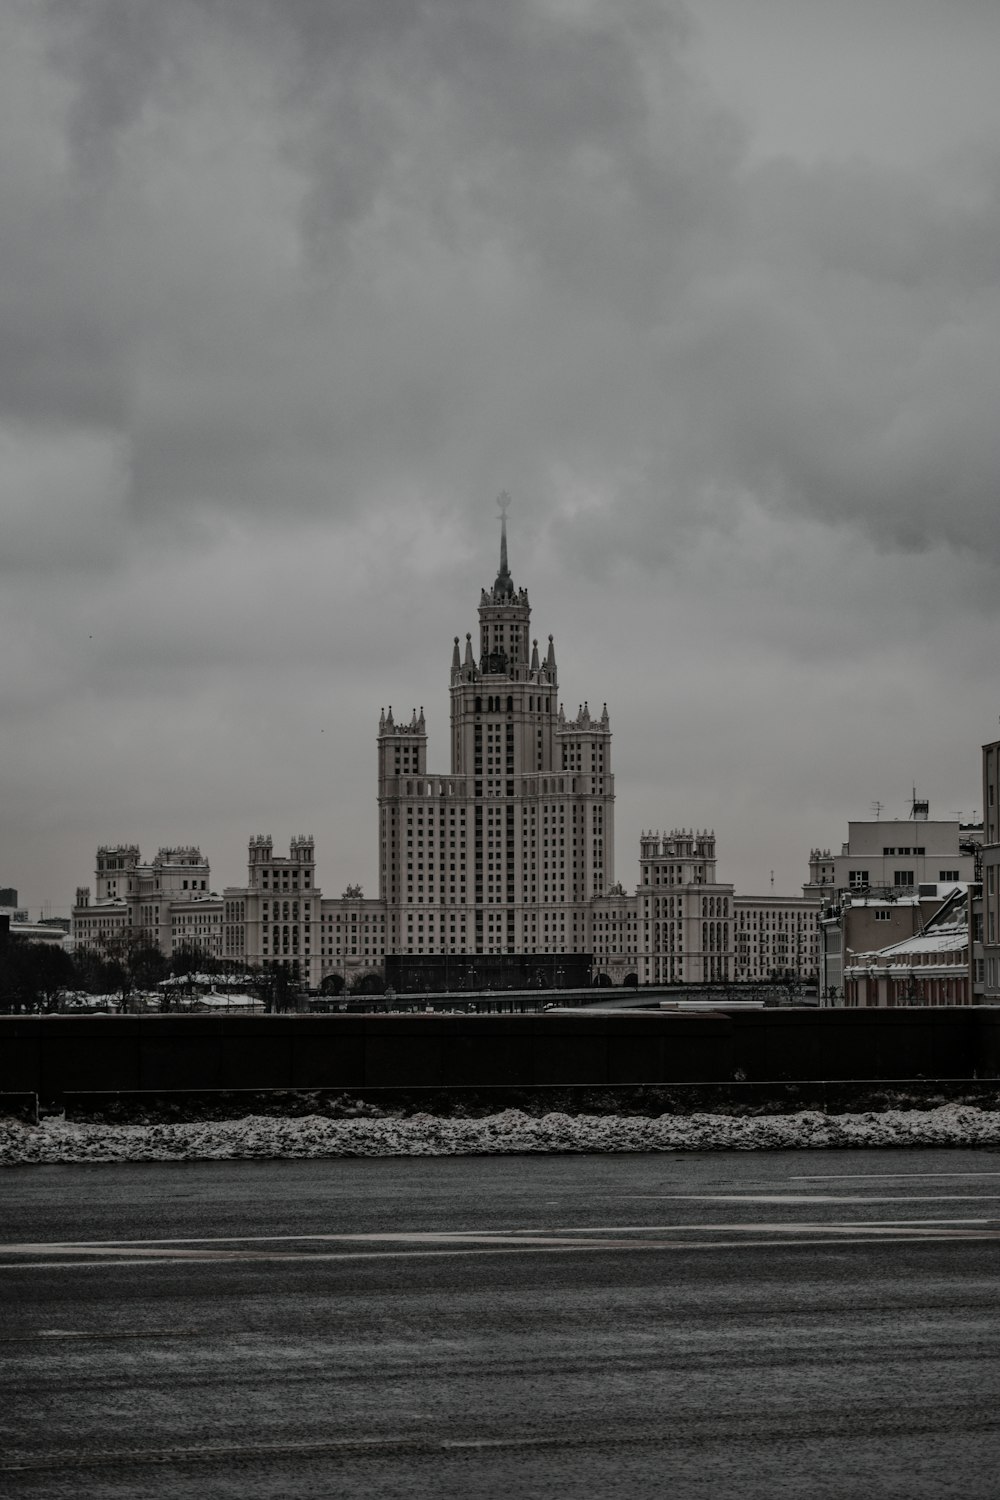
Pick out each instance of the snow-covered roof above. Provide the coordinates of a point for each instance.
(946, 933)
(948, 939)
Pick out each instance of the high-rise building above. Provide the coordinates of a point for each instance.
(504, 852)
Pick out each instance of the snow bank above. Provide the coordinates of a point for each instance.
(57, 1140)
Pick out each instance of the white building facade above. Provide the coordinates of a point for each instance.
(170, 901)
(684, 925)
(506, 850)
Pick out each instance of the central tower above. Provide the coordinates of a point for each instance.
(502, 686)
(506, 852)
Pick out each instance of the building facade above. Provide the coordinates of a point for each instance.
(683, 925)
(988, 906)
(901, 855)
(506, 851)
(170, 901)
(889, 879)
(933, 967)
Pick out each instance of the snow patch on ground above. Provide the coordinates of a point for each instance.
(56, 1140)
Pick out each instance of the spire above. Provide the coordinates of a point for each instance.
(456, 660)
(550, 660)
(534, 656)
(505, 584)
(469, 658)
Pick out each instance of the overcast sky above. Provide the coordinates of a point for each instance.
(291, 289)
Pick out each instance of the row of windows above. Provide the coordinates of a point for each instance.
(859, 879)
(280, 880)
(494, 705)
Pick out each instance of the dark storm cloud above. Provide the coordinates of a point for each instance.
(484, 213)
(520, 228)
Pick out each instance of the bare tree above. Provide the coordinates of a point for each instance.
(130, 961)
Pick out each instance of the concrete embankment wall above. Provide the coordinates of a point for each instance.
(53, 1055)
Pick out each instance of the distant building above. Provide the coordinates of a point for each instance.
(169, 900)
(821, 876)
(38, 932)
(889, 879)
(507, 854)
(506, 850)
(902, 855)
(685, 926)
(990, 893)
(8, 896)
(63, 923)
(930, 968)
(274, 920)
(777, 937)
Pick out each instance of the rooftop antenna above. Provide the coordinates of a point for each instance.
(876, 808)
(772, 880)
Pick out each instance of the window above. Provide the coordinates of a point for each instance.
(857, 879)
(947, 875)
(882, 916)
(902, 877)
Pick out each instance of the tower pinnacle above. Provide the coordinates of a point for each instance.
(504, 584)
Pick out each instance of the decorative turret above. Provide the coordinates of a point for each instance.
(402, 747)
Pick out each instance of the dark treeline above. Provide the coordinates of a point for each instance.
(37, 978)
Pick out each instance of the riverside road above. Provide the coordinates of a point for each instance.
(786, 1324)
